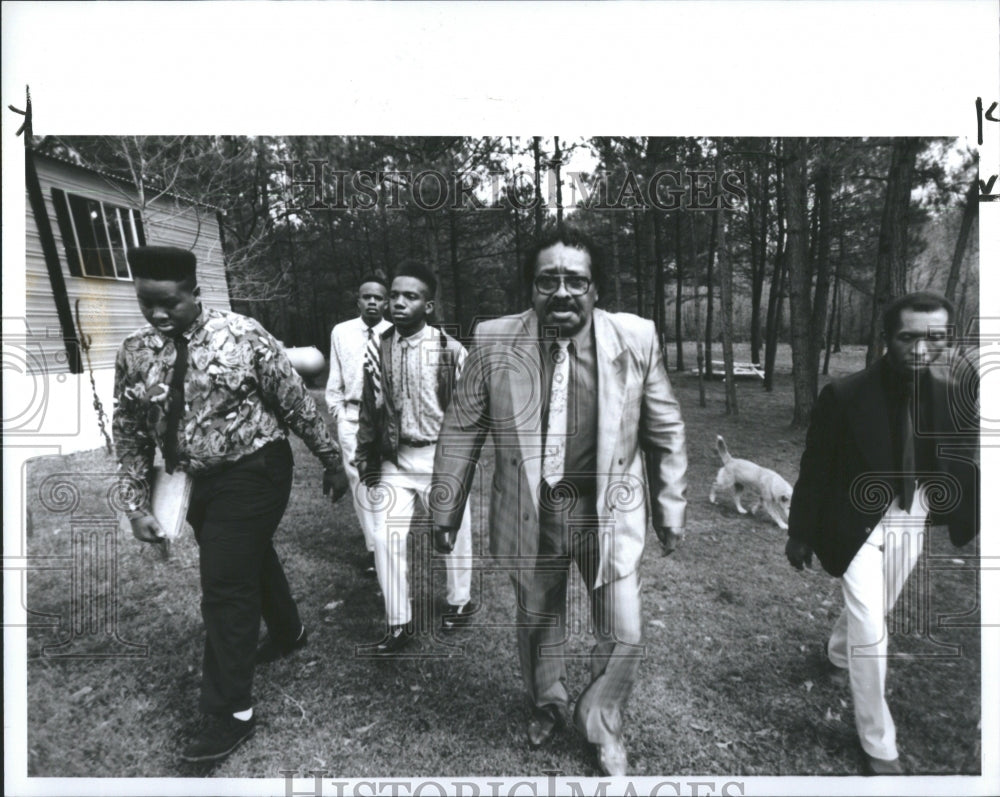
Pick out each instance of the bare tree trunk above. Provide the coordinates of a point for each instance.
(557, 165)
(537, 152)
(699, 346)
(518, 296)
(830, 327)
(726, 312)
(614, 262)
(368, 244)
(840, 290)
(840, 318)
(800, 278)
(777, 292)
(296, 332)
(758, 243)
(455, 275)
(434, 262)
(824, 204)
(659, 288)
(607, 155)
(387, 263)
(335, 271)
(891, 262)
(637, 224)
(968, 217)
(679, 299)
(710, 291)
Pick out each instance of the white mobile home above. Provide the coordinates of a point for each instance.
(80, 301)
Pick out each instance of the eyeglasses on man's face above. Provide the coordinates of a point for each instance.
(549, 283)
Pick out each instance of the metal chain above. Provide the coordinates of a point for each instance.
(102, 418)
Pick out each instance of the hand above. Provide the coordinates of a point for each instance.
(669, 537)
(798, 554)
(369, 478)
(146, 528)
(444, 539)
(335, 483)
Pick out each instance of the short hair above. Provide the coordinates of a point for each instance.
(921, 301)
(163, 263)
(376, 277)
(412, 268)
(567, 235)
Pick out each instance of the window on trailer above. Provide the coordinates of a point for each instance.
(96, 235)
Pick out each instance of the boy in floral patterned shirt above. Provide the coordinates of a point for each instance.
(217, 394)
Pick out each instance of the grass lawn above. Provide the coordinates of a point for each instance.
(733, 682)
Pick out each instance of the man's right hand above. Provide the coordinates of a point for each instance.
(335, 483)
(146, 528)
(444, 539)
(798, 554)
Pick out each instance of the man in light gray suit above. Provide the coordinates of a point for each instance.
(575, 398)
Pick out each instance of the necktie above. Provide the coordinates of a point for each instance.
(175, 408)
(908, 463)
(372, 365)
(555, 427)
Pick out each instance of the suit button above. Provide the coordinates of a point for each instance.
(513, 461)
(621, 460)
(525, 516)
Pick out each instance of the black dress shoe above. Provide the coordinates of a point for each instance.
(218, 737)
(398, 638)
(545, 720)
(369, 566)
(269, 650)
(458, 616)
(880, 766)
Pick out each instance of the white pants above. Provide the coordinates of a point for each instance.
(347, 437)
(859, 641)
(395, 501)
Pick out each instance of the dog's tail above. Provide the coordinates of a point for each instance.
(720, 446)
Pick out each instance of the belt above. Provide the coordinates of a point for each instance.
(405, 441)
(355, 402)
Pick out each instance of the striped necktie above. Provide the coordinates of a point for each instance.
(554, 463)
(371, 366)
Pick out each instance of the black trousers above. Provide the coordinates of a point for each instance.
(235, 513)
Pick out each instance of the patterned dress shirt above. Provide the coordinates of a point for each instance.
(240, 393)
(414, 373)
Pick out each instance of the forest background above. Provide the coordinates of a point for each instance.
(718, 240)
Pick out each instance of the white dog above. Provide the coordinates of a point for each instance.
(737, 474)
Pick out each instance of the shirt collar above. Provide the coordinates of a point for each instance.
(581, 340)
(198, 323)
(378, 328)
(413, 339)
(189, 333)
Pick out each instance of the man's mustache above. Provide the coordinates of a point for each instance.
(562, 304)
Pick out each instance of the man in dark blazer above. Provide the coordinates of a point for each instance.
(584, 420)
(884, 459)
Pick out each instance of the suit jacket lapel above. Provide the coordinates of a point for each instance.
(524, 381)
(870, 420)
(611, 385)
(386, 355)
